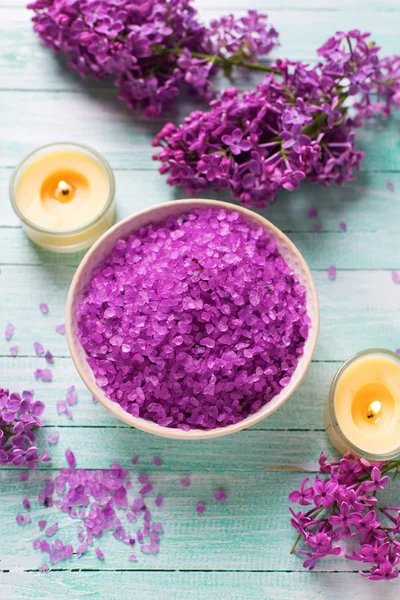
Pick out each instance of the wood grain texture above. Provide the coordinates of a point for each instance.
(237, 550)
(248, 532)
(126, 141)
(366, 205)
(194, 586)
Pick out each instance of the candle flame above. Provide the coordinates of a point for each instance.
(374, 408)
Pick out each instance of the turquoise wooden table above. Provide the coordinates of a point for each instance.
(238, 549)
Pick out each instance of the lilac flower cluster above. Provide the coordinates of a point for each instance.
(151, 47)
(196, 322)
(295, 125)
(19, 417)
(344, 506)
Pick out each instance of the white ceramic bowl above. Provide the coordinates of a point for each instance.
(156, 214)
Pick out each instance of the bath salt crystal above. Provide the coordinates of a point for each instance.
(200, 508)
(60, 329)
(9, 331)
(332, 272)
(312, 213)
(185, 481)
(220, 496)
(194, 323)
(44, 309)
(14, 350)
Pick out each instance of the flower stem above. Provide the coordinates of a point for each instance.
(234, 61)
(296, 541)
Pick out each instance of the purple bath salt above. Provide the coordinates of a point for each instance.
(194, 323)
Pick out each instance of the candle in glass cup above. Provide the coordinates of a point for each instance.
(363, 410)
(64, 195)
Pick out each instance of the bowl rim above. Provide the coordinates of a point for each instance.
(193, 434)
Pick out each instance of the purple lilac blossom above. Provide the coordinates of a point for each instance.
(341, 507)
(199, 338)
(295, 125)
(150, 48)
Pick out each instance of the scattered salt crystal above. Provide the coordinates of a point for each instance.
(397, 350)
(332, 272)
(135, 460)
(50, 531)
(220, 496)
(390, 186)
(132, 557)
(43, 374)
(143, 478)
(146, 489)
(395, 276)
(312, 213)
(9, 331)
(44, 309)
(23, 519)
(94, 400)
(72, 396)
(26, 503)
(14, 350)
(42, 524)
(159, 501)
(200, 508)
(60, 329)
(157, 461)
(44, 567)
(99, 554)
(81, 550)
(343, 226)
(38, 348)
(69, 455)
(185, 481)
(24, 476)
(49, 357)
(318, 227)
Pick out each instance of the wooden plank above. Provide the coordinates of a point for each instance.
(359, 310)
(100, 120)
(26, 65)
(302, 412)
(249, 532)
(377, 250)
(365, 204)
(194, 586)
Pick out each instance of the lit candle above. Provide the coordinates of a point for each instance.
(64, 195)
(363, 410)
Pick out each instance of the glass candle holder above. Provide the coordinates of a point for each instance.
(362, 413)
(63, 194)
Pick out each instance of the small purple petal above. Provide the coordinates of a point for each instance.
(52, 438)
